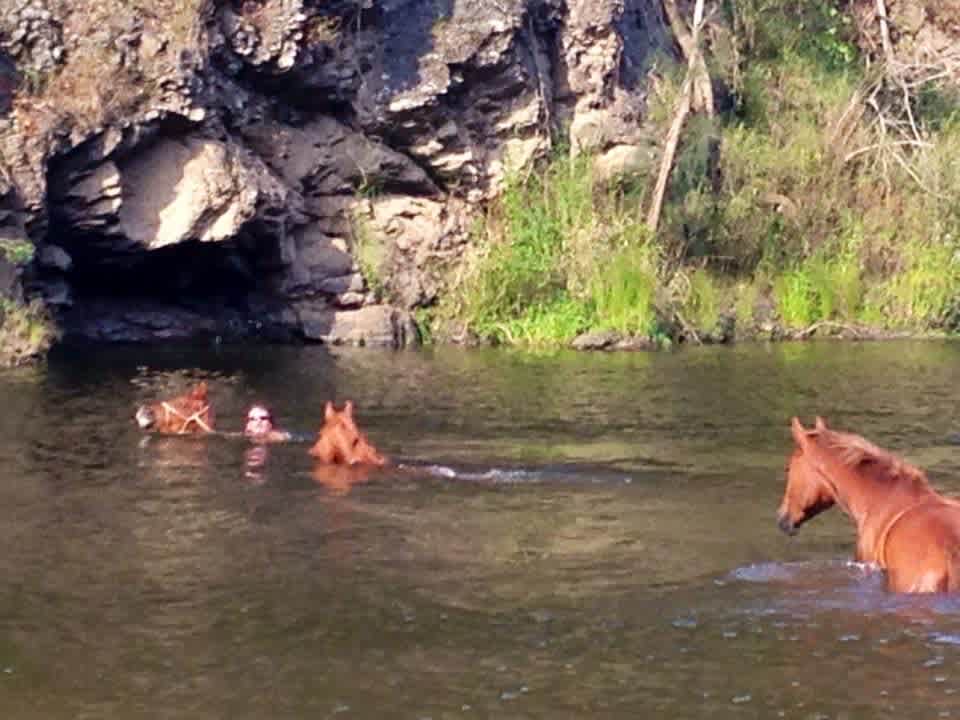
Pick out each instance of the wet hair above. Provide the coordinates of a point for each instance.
(260, 408)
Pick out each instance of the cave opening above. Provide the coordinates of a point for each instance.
(98, 271)
(188, 274)
(191, 289)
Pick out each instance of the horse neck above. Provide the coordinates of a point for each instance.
(869, 501)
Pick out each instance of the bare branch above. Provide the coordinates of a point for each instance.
(907, 105)
(688, 327)
(913, 174)
(880, 145)
(884, 30)
(696, 94)
(808, 331)
(669, 151)
(690, 47)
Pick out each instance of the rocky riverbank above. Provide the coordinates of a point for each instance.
(285, 169)
(341, 172)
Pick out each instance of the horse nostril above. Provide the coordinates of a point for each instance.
(786, 524)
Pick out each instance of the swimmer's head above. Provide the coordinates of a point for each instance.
(259, 421)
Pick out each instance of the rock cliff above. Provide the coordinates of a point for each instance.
(285, 168)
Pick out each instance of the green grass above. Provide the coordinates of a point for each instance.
(546, 325)
(825, 286)
(922, 293)
(519, 280)
(746, 295)
(795, 298)
(425, 319)
(623, 292)
(703, 303)
(559, 255)
(370, 253)
(771, 213)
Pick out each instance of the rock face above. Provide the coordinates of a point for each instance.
(212, 191)
(285, 168)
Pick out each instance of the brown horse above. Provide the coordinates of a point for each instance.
(903, 525)
(340, 442)
(187, 414)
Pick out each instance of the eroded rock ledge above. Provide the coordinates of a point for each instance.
(283, 168)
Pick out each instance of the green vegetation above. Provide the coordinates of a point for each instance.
(796, 206)
(623, 292)
(26, 331)
(369, 251)
(558, 255)
(17, 252)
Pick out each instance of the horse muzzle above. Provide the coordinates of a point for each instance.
(786, 524)
(145, 417)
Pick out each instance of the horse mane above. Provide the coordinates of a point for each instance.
(855, 451)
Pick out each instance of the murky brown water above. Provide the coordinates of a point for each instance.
(606, 549)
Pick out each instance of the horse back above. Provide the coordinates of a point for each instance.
(186, 414)
(922, 552)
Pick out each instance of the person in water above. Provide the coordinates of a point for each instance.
(260, 429)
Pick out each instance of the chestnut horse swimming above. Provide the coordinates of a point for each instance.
(904, 526)
(187, 414)
(340, 442)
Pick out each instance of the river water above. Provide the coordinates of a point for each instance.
(564, 536)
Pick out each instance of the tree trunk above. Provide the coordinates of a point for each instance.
(688, 41)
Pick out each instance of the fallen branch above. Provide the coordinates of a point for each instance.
(877, 146)
(689, 42)
(669, 151)
(884, 30)
(687, 327)
(916, 178)
(696, 93)
(907, 105)
(807, 332)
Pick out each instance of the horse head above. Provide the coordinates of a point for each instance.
(807, 493)
(188, 413)
(340, 441)
(198, 393)
(146, 417)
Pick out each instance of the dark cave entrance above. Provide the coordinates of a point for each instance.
(109, 285)
(228, 289)
(188, 274)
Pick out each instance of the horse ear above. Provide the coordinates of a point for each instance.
(328, 411)
(821, 424)
(798, 431)
(348, 408)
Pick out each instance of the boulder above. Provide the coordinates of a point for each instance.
(196, 189)
(374, 325)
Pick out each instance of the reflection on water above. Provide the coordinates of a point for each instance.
(563, 536)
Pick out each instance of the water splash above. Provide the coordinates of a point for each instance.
(572, 473)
